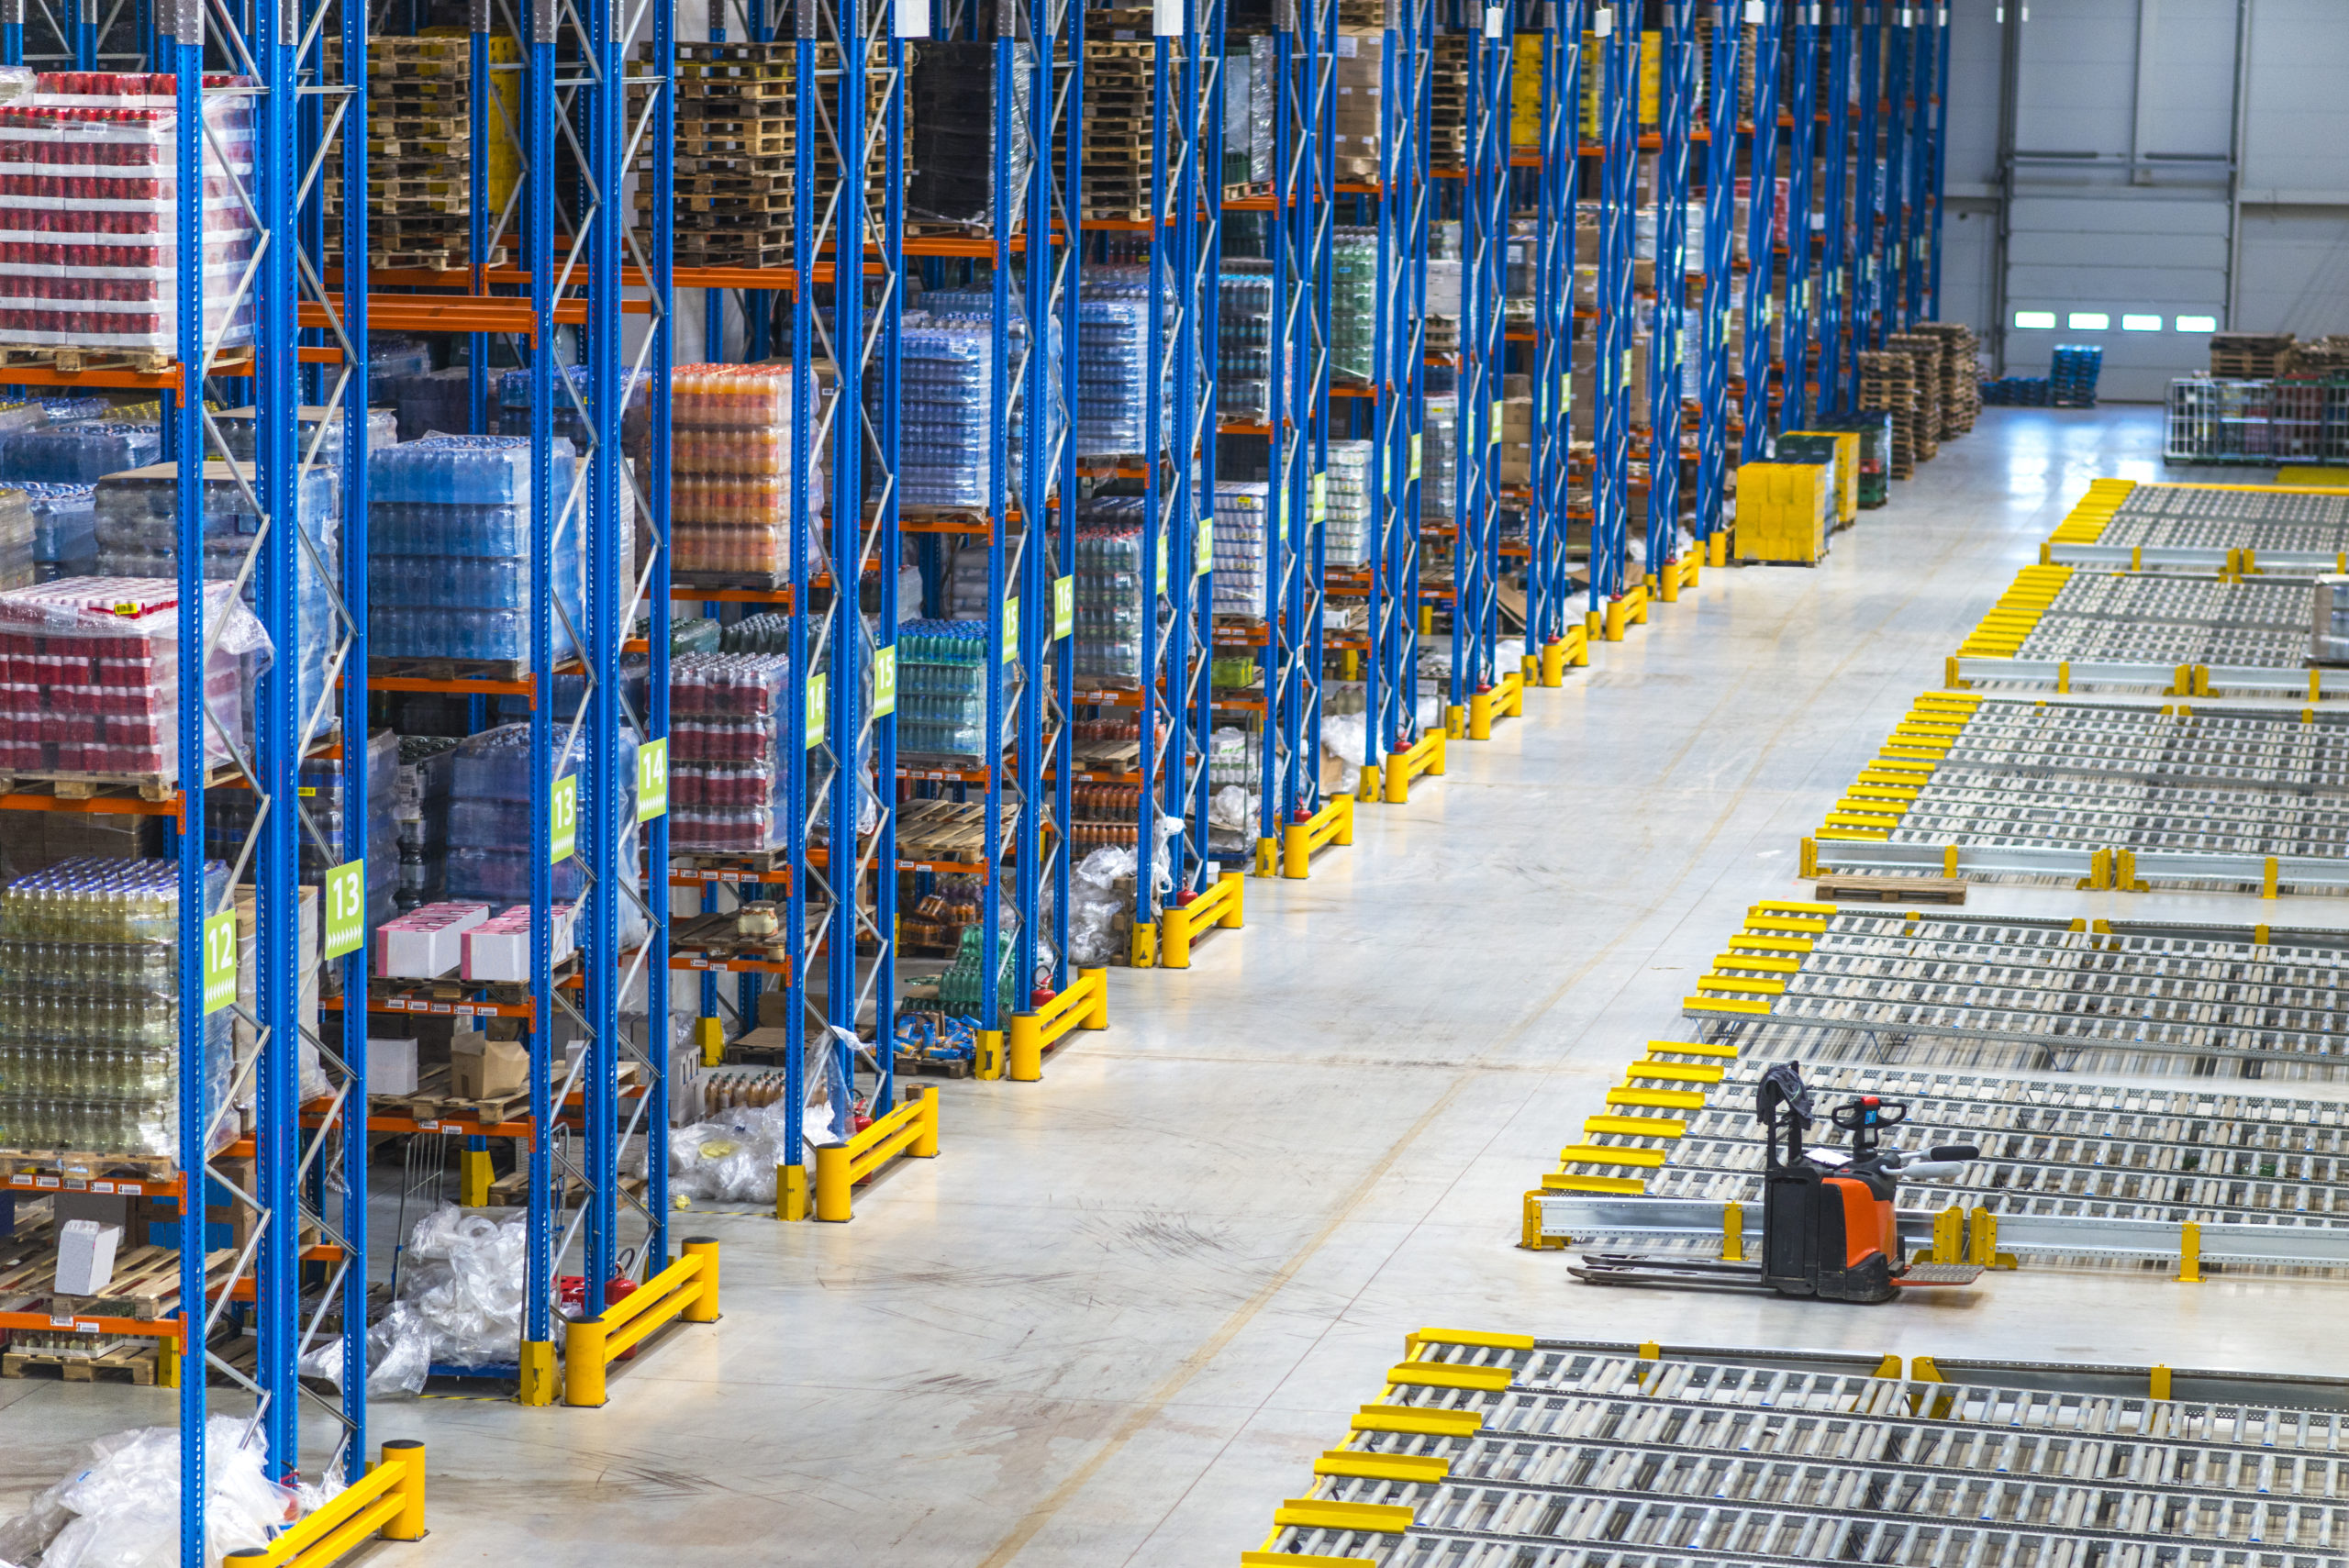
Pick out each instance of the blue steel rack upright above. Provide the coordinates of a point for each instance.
(1553, 632)
(1398, 377)
(1837, 390)
(1868, 189)
(1802, 81)
(1761, 230)
(1300, 241)
(1484, 347)
(1900, 55)
(1619, 92)
(1937, 159)
(1710, 522)
(1677, 87)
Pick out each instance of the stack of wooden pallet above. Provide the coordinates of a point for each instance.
(1448, 97)
(737, 122)
(1924, 351)
(1888, 383)
(420, 136)
(2251, 356)
(2321, 356)
(1961, 376)
(1120, 127)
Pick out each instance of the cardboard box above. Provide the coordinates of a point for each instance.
(487, 1070)
(391, 1066)
(85, 1256)
(425, 943)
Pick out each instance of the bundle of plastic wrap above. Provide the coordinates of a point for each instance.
(65, 524)
(448, 527)
(1109, 589)
(1242, 517)
(727, 723)
(136, 524)
(1347, 524)
(459, 1303)
(91, 668)
(80, 454)
(731, 468)
(942, 689)
(89, 212)
(119, 1505)
(318, 428)
(90, 1007)
(492, 808)
(417, 804)
(1353, 305)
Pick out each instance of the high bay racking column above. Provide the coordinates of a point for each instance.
(1481, 359)
(1552, 622)
(1709, 521)
(1669, 193)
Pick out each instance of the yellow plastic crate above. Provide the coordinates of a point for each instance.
(1782, 512)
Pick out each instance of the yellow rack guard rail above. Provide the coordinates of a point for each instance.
(1179, 925)
(1427, 757)
(387, 1501)
(686, 1288)
(1083, 1005)
(1333, 824)
(912, 1128)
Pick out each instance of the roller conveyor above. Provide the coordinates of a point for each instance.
(1542, 1454)
(2210, 528)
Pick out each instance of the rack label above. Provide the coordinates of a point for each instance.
(816, 716)
(1417, 441)
(562, 819)
(1010, 630)
(1203, 548)
(885, 681)
(1317, 506)
(346, 892)
(1063, 606)
(913, 18)
(1158, 563)
(219, 961)
(653, 780)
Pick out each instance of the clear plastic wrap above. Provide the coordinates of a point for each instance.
(490, 811)
(731, 449)
(90, 1007)
(80, 454)
(1109, 578)
(1100, 889)
(119, 1504)
(90, 675)
(1353, 305)
(238, 428)
(727, 717)
(460, 1301)
(1242, 516)
(1243, 326)
(65, 529)
(449, 550)
(17, 539)
(89, 212)
(1115, 365)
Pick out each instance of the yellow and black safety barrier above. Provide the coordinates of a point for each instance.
(686, 1290)
(1179, 925)
(387, 1504)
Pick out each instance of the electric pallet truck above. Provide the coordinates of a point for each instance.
(1827, 1224)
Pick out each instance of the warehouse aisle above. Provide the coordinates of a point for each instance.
(1115, 1321)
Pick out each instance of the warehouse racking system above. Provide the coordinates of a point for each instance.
(561, 308)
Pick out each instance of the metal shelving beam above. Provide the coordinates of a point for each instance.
(1549, 611)
(1406, 190)
(1483, 359)
(1802, 79)
(1838, 394)
(1677, 72)
(1760, 229)
(1721, 226)
(1618, 97)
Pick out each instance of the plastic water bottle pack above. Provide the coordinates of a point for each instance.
(1241, 519)
(76, 454)
(942, 689)
(1109, 589)
(1244, 323)
(1353, 305)
(65, 523)
(1347, 527)
(492, 808)
(239, 428)
(1115, 365)
(449, 550)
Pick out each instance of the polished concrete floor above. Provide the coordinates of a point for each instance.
(1115, 1321)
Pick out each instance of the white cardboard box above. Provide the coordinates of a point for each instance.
(85, 1256)
(426, 943)
(391, 1066)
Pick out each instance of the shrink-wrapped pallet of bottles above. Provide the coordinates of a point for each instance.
(449, 550)
(1242, 511)
(728, 720)
(731, 469)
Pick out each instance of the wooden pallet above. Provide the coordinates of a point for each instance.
(432, 1102)
(1861, 888)
(134, 1365)
(68, 358)
(82, 1165)
(449, 668)
(934, 1067)
(714, 936)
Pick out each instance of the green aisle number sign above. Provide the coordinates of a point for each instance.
(652, 779)
(219, 961)
(1010, 630)
(1063, 606)
(346, 908)
(562, 820)
(817, 715)
(885, 681)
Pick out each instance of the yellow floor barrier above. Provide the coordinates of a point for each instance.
(1180, 925)
(912, 1128)
(1426, 757)
(1083, 1005)
(388, 1501)
(686, 1289)
(1333, 824)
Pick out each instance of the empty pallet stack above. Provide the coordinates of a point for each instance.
(1448, 99)
(736, 147)
(1888, 384)
(419, 150)
(1925, 357)
(1119, 130)
(2250, 356)
(1961, 376)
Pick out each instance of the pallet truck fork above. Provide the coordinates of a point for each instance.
(1828, 1220)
